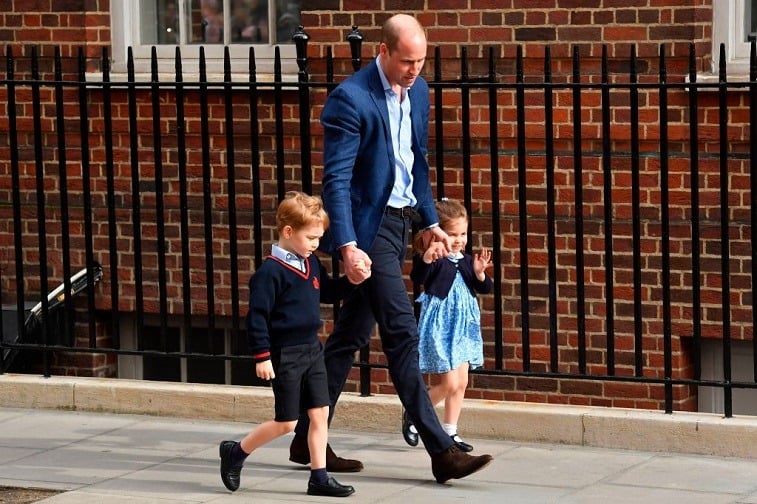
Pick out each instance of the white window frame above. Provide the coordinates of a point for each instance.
(124, 16)
(728, 28)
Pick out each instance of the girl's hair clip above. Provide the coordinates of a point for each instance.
(445, 199)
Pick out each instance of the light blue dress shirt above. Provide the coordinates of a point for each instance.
(402, 141)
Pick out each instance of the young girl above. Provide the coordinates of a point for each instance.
(449, 325)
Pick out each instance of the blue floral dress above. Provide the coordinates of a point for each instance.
(450, 329)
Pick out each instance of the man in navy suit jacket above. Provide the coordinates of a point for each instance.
(375, 182)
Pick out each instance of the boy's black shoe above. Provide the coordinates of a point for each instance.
(461, 444)
(332, 488)
(411, 437)
(229, 471)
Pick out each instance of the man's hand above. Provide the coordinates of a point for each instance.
(357, 264)
(437, 234)
(264, 370)
(435, 250)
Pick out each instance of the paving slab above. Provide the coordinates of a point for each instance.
(126, 459)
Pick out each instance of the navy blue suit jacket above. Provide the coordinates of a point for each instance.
(358, 159)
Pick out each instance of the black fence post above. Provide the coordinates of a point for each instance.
(608, 215)
(16, 196)
(136, 204)
(495, 212)
(696, 299)
(60, 122)
(301, 38)
(207, 198)
(257, 214)
(278, 107)
(520, 105)
(111, 200)
(160, 239)
(228, 99)
(549, 154)
(636, 215)
(725, 248)
(665, 218)
(181, 151)
(578, 175)
(41, 207)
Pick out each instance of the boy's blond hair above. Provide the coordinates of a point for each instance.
(299, 210)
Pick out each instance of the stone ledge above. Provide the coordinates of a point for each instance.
(643, 430)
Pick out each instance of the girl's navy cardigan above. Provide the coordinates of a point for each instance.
(438, 276)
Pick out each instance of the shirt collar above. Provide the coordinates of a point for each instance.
(288, 257)
(385, 82)
(455, 257)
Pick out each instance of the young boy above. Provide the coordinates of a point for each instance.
(282, 327)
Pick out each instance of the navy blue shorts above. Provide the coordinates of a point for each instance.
(300, 382)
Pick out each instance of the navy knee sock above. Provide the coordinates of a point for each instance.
(319, 476)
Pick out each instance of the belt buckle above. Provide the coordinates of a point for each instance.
(405, 212)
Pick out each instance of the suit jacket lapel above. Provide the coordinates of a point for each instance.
(415, 110)
(378, 95)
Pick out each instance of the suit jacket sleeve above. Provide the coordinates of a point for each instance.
(341, 142)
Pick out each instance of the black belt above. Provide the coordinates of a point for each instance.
(404, 212)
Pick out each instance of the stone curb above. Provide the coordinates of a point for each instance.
(643, 430)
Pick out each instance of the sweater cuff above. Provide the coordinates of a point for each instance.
(262, 356)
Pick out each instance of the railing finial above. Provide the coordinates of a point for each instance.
(355, 38)
(300, 39)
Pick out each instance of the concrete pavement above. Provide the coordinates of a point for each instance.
(104, 457)
(128, 454)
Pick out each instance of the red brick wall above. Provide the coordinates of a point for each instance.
(502, 26)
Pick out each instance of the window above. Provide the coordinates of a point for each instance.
(734, 23)
(190, 369)
(711, 399)
(210, 24)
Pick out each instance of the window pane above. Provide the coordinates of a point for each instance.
(750, 20)
(287, 19)
(249, 22)
(218, 22)
(165, 27)
(205, 21)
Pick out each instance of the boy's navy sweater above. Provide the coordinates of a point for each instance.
(285, 305)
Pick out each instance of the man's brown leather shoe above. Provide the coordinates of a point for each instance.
(453, 463)
(300, 453)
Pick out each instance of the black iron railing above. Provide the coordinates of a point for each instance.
(566, 178)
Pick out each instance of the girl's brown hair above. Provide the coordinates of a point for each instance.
(299, 210)
(448, 210)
